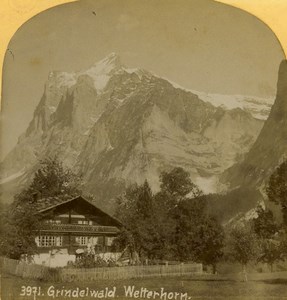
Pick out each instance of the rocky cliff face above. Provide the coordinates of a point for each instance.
(270, 148)
(116, 126)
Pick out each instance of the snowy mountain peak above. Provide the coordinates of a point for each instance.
(258, 107)
(112, 58)
(120, 125)
(103, 70)
(110, 63)
(100, 72)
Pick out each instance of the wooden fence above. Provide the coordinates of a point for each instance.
(14, 267)
(129, 272)
(24, 270)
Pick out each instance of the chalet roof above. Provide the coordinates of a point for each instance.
(47, 203)
(43, 204)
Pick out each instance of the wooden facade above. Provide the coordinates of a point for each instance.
(75, 224)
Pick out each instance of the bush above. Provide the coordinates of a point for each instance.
(90, 260)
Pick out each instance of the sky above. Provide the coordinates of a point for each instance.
(199, 44)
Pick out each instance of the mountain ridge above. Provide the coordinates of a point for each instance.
(269, 149)
(129, 126)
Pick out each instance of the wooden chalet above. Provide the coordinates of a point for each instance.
(69, 226)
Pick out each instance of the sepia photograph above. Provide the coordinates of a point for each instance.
(143, 150)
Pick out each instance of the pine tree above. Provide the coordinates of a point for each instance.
(51, 179)
(144, 200)
(19, 222)
(264, 225)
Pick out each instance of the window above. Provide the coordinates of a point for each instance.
(85, 222)
(53, 221)
(82, 240)
(85, 240)
(82, 222)
(109, 240)
(49, 241)
(93, 240)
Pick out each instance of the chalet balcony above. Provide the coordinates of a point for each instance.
(77, 228)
